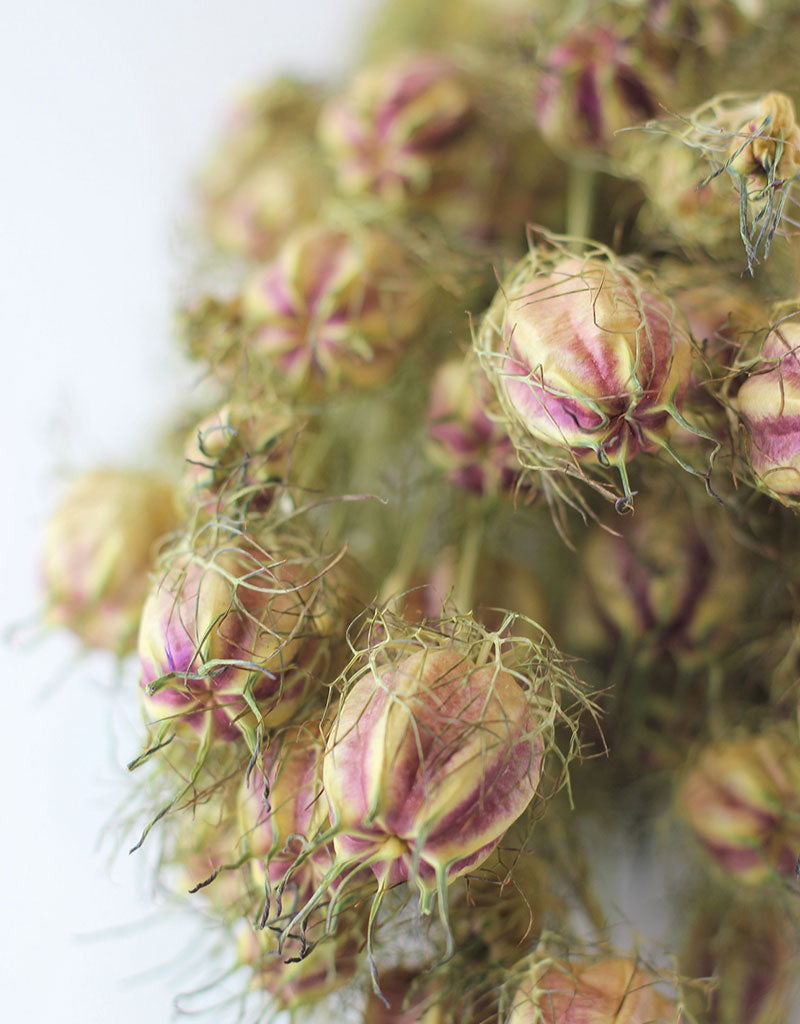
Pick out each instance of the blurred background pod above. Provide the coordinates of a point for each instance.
(99, 548)
(592, 83)
(748, 946)
(308, 966)
(437, 138)
(741, 798)
(670, 581)
(474, 450)
(238, 455)
(615, 990)
(336, 306)
(266, 176)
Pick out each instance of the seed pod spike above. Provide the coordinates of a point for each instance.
(200, 759)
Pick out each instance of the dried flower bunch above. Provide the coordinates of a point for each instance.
(505, 365)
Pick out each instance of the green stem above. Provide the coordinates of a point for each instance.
(468, 565)
(581, 184)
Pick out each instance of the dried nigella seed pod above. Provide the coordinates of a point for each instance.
(308, 966)
(474, 450)
(334, 307)
(419, 135)
(612, 991)
(281, 804)
(231, 630)
(670, 581)
(590, 363)
(768, 404)
(588, 89)
(756, 143)
(741, 798)
(237, 456)
(266, 178)
(750, 948)
(99, 547)
(436, 749)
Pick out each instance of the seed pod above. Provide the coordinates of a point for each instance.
(750, 949)
(589, 89)
(281, 803)
(333, 307)
(99, 548)
(310, 965)
(238, 454)
(429, 138)
(741, 798)
(428, 763)
(762, 161)
(769, 406)
(670, 582)
(613, 991)
(266, 178)
(586, 357)
(475, 451)
(230, 631)
(391, 128)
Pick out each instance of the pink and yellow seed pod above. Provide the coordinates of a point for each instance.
(769, 406)
(750, 949)
(388, 132)
(428, 762)
(334, 306)
(99, 548)
(670, 580)
(589, 89)
(228, 626)
(477, 453)
(586, 357)
(613, 991)
(307, 969)
(742, 800)
(265, 178)
(281, 803)
(237, 454)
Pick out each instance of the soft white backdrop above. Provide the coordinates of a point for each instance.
(106, 109)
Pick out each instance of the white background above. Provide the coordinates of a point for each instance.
(106, 109)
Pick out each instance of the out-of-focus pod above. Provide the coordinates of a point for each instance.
(336, 306)
(99, 548)
(237, 455)
(307, 966)
(612, 991)
(475, 452)
(670, 581)
(749, 948)
(266, 176)
(741, 798)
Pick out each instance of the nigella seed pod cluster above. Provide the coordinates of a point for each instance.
(480, 350)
